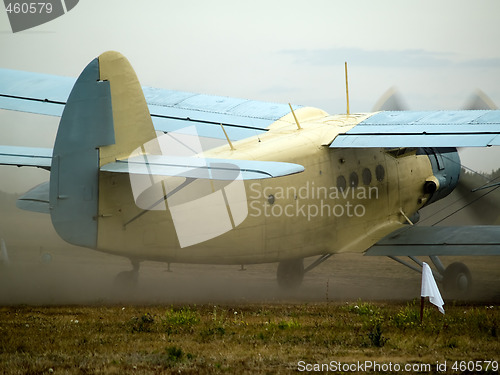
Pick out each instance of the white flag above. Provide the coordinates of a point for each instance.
(430, 289)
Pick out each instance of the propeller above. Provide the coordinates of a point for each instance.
(477, 206)
(463, 204)
(479, 100)
(391, 100)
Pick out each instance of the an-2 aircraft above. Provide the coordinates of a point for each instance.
(289, 182)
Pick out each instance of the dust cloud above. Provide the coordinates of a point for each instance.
(44, 270)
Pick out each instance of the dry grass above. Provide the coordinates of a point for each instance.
(254, 338)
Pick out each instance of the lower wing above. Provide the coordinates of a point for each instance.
(425, 241)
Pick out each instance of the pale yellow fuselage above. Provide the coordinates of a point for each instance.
(344, 201)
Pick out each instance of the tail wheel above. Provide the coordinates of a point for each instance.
(290, 273)
(457, 278)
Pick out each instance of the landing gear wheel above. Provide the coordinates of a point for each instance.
(290, 273)
(457, 279)
(128, 279)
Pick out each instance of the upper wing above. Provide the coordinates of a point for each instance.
(170, 110)
(423, 241)
(424, 129)
(34, 93)
(26, 156)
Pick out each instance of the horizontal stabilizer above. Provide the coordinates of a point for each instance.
(36, 199)
(424, 129)
(192, 167)
(26, 156)
(424, 241)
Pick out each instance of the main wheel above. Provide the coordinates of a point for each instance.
(290, 273)
(126, 279)
(457, 278)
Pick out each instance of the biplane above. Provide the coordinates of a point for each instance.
(178, 177)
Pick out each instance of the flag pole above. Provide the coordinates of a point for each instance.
(422, 301)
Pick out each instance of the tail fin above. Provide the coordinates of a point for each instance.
(105, 118)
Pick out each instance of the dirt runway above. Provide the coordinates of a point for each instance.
(79, 276)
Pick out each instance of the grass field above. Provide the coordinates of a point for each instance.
(248, 338)
(65, 316)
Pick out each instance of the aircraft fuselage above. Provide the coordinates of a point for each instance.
(344, 201)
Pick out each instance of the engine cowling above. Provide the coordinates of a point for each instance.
(445, 164)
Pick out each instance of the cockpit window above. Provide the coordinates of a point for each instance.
(401, 152)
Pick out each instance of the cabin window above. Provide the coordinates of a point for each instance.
(341, 183)
(367, 176)
(379, 173)
(353, 180)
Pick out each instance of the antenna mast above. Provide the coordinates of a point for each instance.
(347, 89)
(295, 117)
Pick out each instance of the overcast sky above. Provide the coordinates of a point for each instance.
(435, 52)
